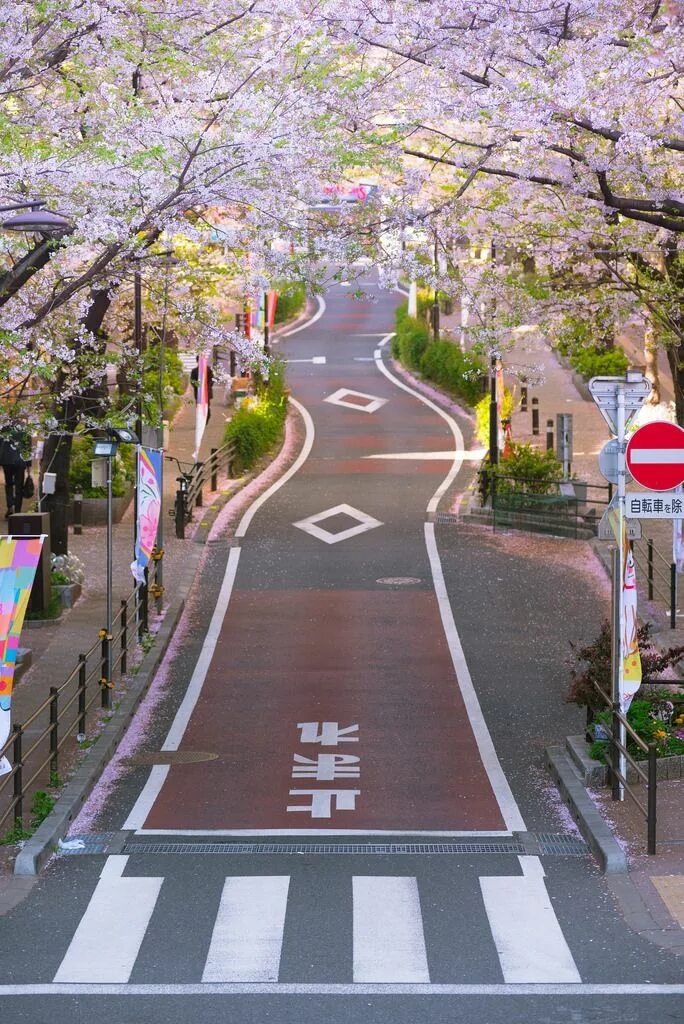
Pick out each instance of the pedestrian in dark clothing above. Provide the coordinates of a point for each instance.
(194, 382)
(15, 458)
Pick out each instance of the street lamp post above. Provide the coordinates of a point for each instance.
(107, 448)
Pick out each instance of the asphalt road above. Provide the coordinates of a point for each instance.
(368, 833)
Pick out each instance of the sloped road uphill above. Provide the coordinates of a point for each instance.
(353, 851)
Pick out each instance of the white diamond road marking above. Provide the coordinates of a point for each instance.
(364, 523)
(342, 396)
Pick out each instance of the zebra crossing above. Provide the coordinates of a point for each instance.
(391, 933)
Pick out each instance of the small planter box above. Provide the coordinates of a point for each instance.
(69, 593)
(95, 509)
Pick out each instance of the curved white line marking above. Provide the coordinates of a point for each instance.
(497, 779)
(314, 318)
(158, 774)
(453, 427)
(296, 465)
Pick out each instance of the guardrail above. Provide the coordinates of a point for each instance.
(192, 482)
(63, 717)
(542, 504)
(649, 777)
(660, 574)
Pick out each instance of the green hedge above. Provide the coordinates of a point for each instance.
(291, 299)
(257, 429)
(79, 470)
(592, 362)
(459, 373)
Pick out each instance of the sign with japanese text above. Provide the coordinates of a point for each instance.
(646, 505)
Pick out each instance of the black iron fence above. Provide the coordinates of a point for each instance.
(659, 574)
(192, 482)
(543, 505)
(38, 744)
(648, 777)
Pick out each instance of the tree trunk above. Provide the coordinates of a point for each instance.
(677, 368)
(57, 451)
(651, 359)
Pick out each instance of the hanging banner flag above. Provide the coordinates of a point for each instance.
(149, 508)
(202, 409)
(18, 563)
(271, 303)
(631, 659)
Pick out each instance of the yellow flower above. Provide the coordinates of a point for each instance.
(660, 734)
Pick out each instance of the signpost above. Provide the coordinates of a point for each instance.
(618, 400)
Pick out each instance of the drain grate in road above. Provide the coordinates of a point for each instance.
(362, 849)
(544, 844)
(551, 844)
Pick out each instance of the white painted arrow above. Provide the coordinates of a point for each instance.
(319, 360)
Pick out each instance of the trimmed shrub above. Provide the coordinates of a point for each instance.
(291, 299)
(528, 469)
(458, 372)
(255, 429)
(593, 362)
(123, 469)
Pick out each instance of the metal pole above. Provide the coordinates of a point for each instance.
(616, 594)
(673, 595)
(106, 695)
(535, 416)
(493, 413)
(652, 798)
(621, 491)
(649, 563)
(435, 301)
(523, 398)
(138, 341)
(266, 330)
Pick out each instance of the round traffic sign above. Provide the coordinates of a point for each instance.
(655, 455)
(609, 461)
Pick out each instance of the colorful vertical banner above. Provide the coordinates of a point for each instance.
(271, 303)
(202, 410)
(631, 659)
(258, 312)
(149, 508)
(18, 563)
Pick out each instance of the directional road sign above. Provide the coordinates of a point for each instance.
(604, 391)
(605, 530)
(655, 455)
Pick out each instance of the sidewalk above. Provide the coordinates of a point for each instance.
(654, 903)
(54, 646)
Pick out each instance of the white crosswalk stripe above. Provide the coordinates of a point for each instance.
(519, 929)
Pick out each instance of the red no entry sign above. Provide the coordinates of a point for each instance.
(655, 456)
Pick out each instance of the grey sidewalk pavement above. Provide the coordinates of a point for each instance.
(55, 646)
(658, 881)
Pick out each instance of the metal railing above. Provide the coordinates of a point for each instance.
(660, 574)
(649, 777)
(192, 482)
(541, 504)
(35, 745)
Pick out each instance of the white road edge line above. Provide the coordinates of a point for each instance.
(152, 787)
(359, 989)
(317, 316)
(328, 833)
(498, 781)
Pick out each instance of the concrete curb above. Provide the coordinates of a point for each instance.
(597, 834)
(42, 844)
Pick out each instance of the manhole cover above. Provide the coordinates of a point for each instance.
(399, 581)
(171, 757)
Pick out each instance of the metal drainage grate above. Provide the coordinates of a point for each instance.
(399, 581)
(170, 757)
(560, 845)
(447, 517)
(95, 843)
(357, 849)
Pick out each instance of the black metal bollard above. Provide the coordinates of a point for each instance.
(54, 734)
(535, 416)
(523, 398)
(549, 435)
(214, 469)
(82, 670)
(78, 514)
